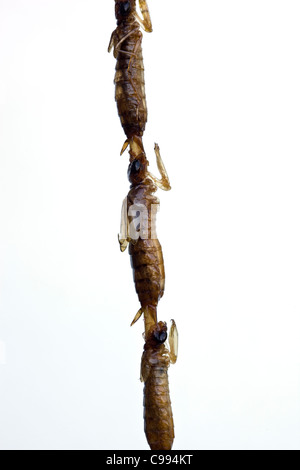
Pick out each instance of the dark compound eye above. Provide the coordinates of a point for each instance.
(136, 171)
(160, 336)
(125, 8)
(136, 166)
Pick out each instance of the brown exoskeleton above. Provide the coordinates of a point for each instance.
(158, 417)
(138, 229)
(126, 41)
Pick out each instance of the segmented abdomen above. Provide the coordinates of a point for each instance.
(158, 418)
(148, 270)
(130, 87)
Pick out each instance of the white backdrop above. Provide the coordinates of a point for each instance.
(222, 86)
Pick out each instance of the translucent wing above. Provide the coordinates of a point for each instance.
(173, 342)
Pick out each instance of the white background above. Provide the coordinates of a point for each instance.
(222, 86)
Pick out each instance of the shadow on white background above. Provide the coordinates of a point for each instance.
(222, 87)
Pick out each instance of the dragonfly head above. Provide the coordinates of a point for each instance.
(137, 170)
(158, 333)
(123, 9)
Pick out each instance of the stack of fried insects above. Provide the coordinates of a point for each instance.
(138, 222)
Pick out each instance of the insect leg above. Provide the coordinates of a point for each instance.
(132, 56)
(146, 21)
(117, 46)
(173, 342)
(164, 182)
(136, 47)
